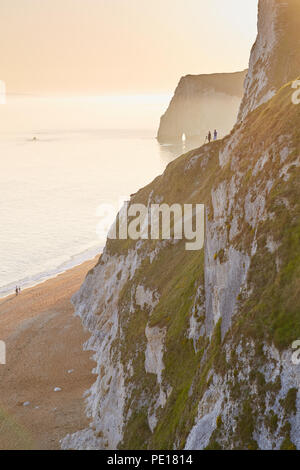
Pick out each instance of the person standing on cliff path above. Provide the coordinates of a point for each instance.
(215, 134)
(209, 137)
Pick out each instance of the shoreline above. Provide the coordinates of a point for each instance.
(44, 351)
(44, 276)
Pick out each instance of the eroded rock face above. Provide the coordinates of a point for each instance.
(97, 305)
(275, 56)
(200, 103)
(219, 410)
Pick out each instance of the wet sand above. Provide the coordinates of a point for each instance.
(43, 351)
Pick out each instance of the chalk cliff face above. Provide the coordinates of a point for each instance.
(200, 103)
(194, 348)
(275, 56)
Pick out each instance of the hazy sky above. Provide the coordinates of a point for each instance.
(120, 46)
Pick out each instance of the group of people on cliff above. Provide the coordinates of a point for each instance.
(209, 136)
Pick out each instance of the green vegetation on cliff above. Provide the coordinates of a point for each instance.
(268, 311)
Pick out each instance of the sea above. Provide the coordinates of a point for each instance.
(62, 160)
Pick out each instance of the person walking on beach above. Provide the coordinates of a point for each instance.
(17, 290)
(209, 137)
(215, 134)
